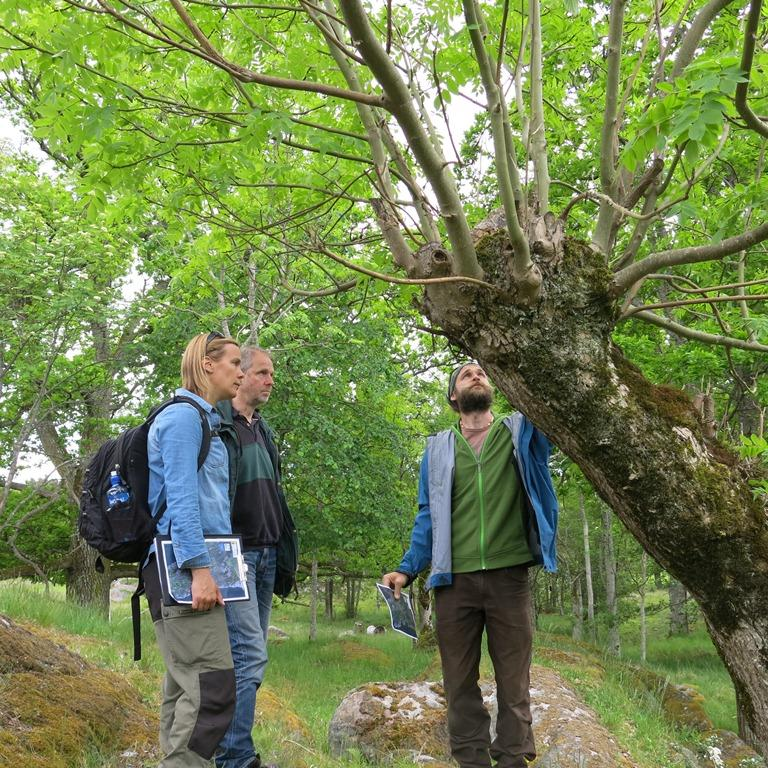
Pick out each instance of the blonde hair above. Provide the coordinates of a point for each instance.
(193, 375)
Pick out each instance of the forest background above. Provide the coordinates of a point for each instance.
(289, 175)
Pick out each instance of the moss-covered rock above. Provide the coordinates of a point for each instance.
(55, 706)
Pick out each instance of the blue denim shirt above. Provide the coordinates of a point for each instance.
(197, 502)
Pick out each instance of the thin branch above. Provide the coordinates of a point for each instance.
(443, 110)
(208, 53)
(502, 40)
(701, 336)
(323, 291)
(697, 289)
(688, 302)
(742, 264)
(319, 248)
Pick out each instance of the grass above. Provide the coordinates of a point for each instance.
(306, 680)
(684, 660)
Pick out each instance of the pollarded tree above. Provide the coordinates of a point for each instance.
(633, 128)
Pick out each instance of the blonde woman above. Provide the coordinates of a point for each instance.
(199, 682)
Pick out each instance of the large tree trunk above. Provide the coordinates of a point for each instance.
(85, 585)
(685, 499)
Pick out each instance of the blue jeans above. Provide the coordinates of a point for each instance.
(248, 622)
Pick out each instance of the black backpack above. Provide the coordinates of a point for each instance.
(125, 532)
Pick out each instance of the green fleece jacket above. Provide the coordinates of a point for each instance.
(487, 505)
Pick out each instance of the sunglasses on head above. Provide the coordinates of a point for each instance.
(212, 336)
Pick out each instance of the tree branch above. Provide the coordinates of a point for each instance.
(610, 129)
(321, 292)
(747, 55)
(701, 336)
(692, 255)
(710, 289)
(687, 302)
(523, 268)
(402, 254)
(537, 135)
(320, 248)
(208, 53)
(692, 38)
(428, 156)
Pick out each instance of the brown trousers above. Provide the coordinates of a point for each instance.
(498, 602)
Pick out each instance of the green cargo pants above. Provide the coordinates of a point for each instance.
(199, 683)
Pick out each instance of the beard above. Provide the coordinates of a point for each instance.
(474, 399)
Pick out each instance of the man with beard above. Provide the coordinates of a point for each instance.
(261, 516)
(487, 511)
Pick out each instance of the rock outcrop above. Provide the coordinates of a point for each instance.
(55, 706)
(407, 720)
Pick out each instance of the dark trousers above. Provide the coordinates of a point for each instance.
(498, 602)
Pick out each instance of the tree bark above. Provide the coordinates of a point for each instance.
(611, 599)
(353, 595)
(85, 585)
(577, 606)
(678, 616)
(313, 600)
(588, 571)
(329, 598)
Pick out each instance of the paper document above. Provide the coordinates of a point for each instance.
(228, 569)
(401, 611)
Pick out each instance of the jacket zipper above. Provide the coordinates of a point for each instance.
(479, 466)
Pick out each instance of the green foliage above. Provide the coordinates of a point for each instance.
(41, 530)
(756, 447)
(691, 112)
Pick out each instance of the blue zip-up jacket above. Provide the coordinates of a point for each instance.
(431, 536)
(197, 502)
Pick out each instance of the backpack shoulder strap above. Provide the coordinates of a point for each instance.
(205, 445)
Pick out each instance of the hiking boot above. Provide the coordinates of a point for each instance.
(258, 764)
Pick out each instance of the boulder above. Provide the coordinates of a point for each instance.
(723, 749)
(388, 721)
(120, 590)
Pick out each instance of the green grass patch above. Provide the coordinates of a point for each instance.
(306, 680)
(684, 660)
